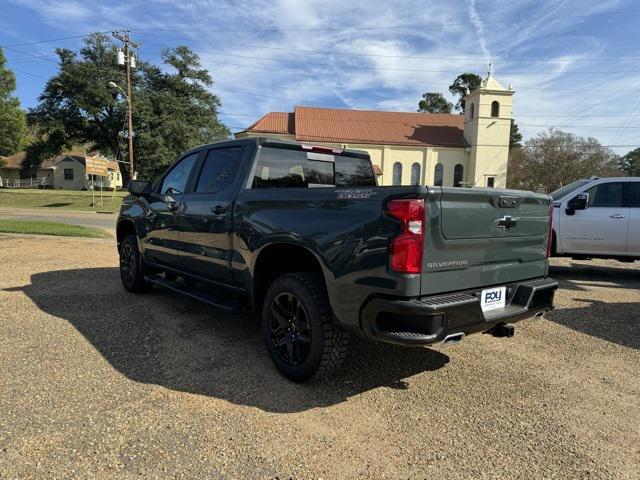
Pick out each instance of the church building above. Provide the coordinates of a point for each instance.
(412, 148)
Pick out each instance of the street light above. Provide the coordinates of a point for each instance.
(118, 87)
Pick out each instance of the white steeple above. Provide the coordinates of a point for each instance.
(487, 124)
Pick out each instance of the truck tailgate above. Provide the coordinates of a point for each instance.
(483, 237)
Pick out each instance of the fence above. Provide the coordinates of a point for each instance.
(43, 182)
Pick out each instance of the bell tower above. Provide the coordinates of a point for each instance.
(487, 126)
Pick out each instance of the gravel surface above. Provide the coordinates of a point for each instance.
(98, 383)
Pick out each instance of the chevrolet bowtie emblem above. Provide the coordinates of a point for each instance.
(506, 222)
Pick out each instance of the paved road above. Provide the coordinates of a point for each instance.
(98, 383)
(106, 221)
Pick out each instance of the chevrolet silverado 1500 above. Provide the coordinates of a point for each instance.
(303, 236)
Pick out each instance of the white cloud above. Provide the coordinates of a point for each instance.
(445, 38)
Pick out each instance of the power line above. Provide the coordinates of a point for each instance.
(329, 52)
(30, 74)
(414, 57)
(31, 59)
(412, 70)
(397, 27)
(30, 54)
(403, 83)
(50, 40)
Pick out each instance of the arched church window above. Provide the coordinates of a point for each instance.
(397, 173)
(457, 175)
(438, 175)
(415, 174)
(472, 109)
(495, 109)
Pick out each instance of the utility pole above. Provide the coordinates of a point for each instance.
(128, 45)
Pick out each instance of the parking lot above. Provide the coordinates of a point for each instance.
(98, 383)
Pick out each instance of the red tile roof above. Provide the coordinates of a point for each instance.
(365, 126)
(275, 122)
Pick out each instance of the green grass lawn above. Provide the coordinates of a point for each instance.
(60, 199)
(51, 228)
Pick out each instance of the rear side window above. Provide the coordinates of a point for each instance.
(606, 195)
(282, 168)
(219, 169)
(634, 194)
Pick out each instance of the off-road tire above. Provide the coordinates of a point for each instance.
(131, 268)
(328, 345)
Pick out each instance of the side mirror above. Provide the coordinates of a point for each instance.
(579, 202)
(139, 187)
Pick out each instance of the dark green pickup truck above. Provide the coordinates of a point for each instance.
(304, 237)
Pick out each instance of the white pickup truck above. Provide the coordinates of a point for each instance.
(598, 218)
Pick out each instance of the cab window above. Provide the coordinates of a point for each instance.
(219, 169)
(176, 180)
(606, 195)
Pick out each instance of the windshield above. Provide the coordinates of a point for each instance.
(567, 189)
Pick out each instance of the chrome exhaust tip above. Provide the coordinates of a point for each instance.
(453, 338)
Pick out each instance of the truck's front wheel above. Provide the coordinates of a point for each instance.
(299, 333)
(131, 272)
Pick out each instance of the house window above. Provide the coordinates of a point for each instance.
(457, 175)
(472, 109)
(397, 173)
(68, 173)
(491, 182)
(415, 174)
(438, 175)
(495, 109)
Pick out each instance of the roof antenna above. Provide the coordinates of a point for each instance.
(489, 72)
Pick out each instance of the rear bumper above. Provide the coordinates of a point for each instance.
(428, 320)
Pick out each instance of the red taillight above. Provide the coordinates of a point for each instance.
(406, 248)
(550, 231)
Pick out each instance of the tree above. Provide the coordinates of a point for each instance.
(515, 137)
(434, 102)
(173, 110)
(12, 118)
(463, 84)
(630, 163)
(555, 158)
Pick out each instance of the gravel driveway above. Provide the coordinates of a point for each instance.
(98, 383)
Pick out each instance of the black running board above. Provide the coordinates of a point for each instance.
(205, 297)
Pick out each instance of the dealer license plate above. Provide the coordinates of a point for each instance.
(493, 298)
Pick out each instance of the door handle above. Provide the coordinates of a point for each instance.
(219, 209)
(616, 215)
(173, 206)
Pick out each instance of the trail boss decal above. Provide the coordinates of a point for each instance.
(355, 194)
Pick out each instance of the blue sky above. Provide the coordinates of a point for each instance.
(573, 64)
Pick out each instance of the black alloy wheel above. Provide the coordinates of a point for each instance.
(131, 270)
(127, 264)
(299, 329)
(289, 328)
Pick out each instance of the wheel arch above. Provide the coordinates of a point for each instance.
(125, 227)
(279, 258)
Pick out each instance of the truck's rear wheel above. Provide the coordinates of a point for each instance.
(299, 333)
(131, 272)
